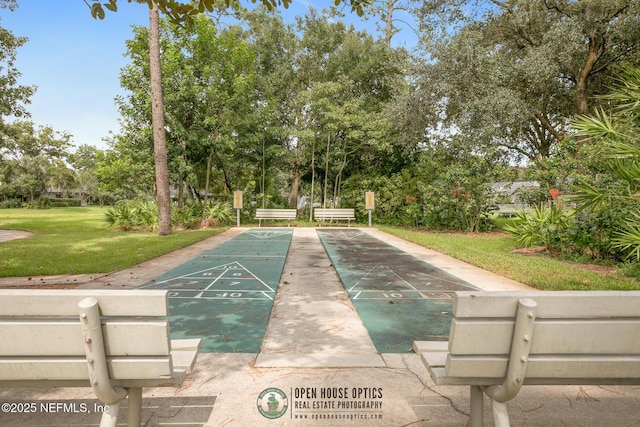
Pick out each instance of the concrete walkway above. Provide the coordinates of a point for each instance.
(6, 235)
(316, 344)
(313, 322)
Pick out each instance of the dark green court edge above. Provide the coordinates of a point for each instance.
(225, 295)
(399, 297)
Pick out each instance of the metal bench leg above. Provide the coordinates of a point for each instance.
(135, 406)
(477, 406)
(110, 417)
(500, 413)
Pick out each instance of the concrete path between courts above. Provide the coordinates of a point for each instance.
(318, 358)
(313, 322)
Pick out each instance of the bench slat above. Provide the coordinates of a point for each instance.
(64, 338)
(589, 336)
(587, 367)
(177, 378)
(276, 213)
(334, 213)
(32, 302)
(556, 304)
(70, 368)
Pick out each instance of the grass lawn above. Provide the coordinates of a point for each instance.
(493, 252)
(76, 241)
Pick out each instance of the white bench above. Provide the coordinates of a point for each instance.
(115, 341)
(334, 215)
(287, 214)
(513, 208)
(502, 340)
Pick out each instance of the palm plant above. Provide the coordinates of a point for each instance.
(216, 214)
(542, 226)
(617, 132)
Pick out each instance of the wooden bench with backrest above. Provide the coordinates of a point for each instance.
(115, 341)
(500, 341)
(288, 214)
(334, 215)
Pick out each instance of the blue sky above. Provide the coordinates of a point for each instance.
(75, 61)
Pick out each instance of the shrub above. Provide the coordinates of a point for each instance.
(42, 203)
(122, 215)
(64, 203)
(217, 214)
(143, 213)
(11, 204)
(545, 225)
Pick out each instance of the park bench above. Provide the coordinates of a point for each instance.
(500, 341)
(334, 215)
(115, 341)
(288, 214)
(513, 208)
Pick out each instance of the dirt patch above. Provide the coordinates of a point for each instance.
(530, 251)
(6, 235)
(41, 286)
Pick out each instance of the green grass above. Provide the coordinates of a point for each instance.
(493, 252)
(77, 241)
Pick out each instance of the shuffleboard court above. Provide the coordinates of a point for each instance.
(400, 298)
(225, 295)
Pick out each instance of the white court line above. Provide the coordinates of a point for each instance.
(227, 298)
(363, 277)
(223, 270)
(243, 256)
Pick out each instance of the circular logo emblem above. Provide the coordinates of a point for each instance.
(272, 403)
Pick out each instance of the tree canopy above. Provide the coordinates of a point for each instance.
(180, 12)
(512, 75)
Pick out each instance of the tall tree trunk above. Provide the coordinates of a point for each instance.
(206, 184)
(326, 173)
(596, 49)
(157, 118)
(295, 187)
(262, 183)
(313, 177)
(388, 28)
(181, 185)
(338, 183)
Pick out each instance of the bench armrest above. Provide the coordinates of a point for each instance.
(184, 353)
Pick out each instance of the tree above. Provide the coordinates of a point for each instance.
(389, 11)
(179, 12)
(13, 97)
(126, 169)
(581, 39)
(208, 79)
(31, 158)
(159, 137)
(514, 76)
(273, 119)
(618, 132)
(84, 162)
(344, 80)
